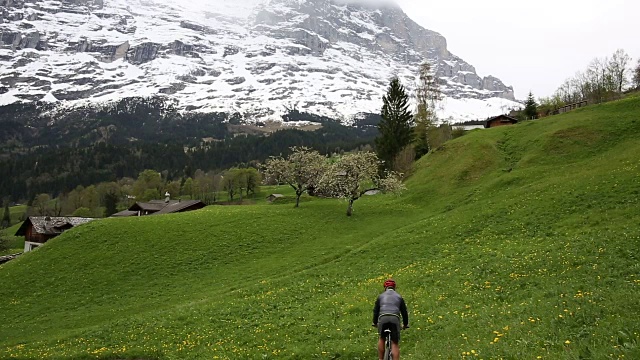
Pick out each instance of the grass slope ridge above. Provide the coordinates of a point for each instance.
(512, 243)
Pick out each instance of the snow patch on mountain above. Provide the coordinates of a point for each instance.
(259, 58)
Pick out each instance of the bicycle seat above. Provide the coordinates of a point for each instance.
(387, 330)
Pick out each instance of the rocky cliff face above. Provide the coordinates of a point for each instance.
(256, 57)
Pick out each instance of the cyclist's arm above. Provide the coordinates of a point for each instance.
(405, 313)
(376, 312)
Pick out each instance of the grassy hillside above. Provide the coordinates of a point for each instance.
(512, 243)
(17, 213)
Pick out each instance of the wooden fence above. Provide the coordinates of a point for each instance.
(570, 107)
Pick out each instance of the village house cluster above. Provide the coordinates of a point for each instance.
(37, 230)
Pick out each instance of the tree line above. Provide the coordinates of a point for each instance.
(604, 79)
(107, 198)
(103, 144)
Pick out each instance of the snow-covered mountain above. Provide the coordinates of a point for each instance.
(256, 57)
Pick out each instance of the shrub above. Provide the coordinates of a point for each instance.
(82, 212)
(457, 132)
(4, 244)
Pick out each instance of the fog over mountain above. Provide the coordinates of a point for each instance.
(373, 3)
(255, 57)
(497, 36)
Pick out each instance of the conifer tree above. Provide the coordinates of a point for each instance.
(110, 203)
(396, 126)
(531, 107)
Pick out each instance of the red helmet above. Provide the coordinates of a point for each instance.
(389, 284)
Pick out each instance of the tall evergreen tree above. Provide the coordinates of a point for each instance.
(6, 219)
(531, 107)
(396, 126)
(110, 203)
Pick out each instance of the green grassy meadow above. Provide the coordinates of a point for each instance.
(519, 242)
(16, 243)
(17, 213)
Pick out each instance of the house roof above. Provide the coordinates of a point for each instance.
(178, 206)
(161, 207)
(50, 225)
(153, 205)
(503, 116)
(125, 213)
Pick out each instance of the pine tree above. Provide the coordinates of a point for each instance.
(110, 203)
(531, 107)
(396, 126)
(6, 219)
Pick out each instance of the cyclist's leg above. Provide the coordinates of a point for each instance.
(380, 340)
(395, 350)
(395, 343)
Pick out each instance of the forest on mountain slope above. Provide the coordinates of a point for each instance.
(47, 150)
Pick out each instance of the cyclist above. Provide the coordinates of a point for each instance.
(386, 315)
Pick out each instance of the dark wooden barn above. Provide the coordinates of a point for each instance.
(501, 120)
(37, 230)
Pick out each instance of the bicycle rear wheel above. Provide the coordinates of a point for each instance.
(387, 349)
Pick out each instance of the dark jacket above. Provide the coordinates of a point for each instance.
(390, 303)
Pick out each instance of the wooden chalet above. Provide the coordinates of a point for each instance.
(501, 120)
(37, 230)
(158, 207)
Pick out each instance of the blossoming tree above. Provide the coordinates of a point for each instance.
(355, 174)
(302, 170)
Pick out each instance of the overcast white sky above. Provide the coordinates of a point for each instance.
(532, 45)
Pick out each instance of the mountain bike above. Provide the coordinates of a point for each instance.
(387, 345)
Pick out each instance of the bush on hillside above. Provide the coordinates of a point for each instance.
(636, 76)
(439, 135)
(6, 218)
(4, 244)
(403, 162)
(82, 212)
(457, 132)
